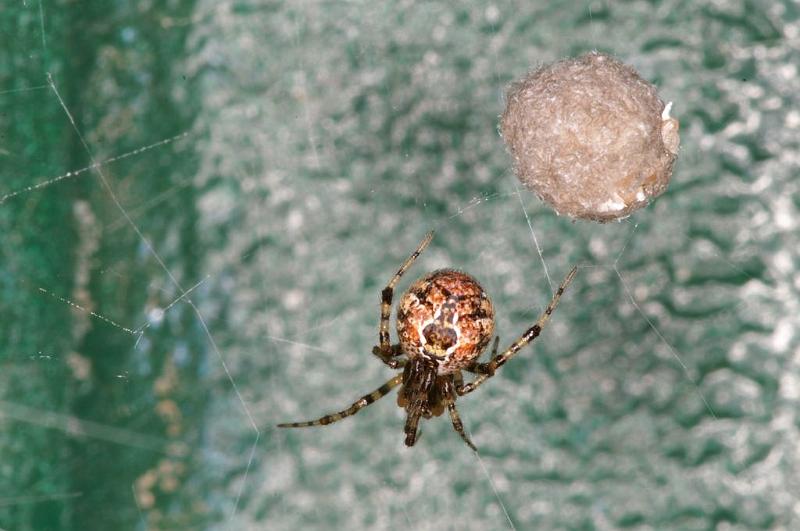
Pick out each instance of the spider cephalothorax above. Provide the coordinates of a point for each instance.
(445, 321)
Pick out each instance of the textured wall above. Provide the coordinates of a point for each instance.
(324, 140)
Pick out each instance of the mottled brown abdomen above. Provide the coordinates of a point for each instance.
(447, 317)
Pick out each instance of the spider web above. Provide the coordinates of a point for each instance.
(202, 217)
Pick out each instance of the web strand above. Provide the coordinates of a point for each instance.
(24, 89)
(41, 25)
(297, 343)
(664, 340)
(138, 506)
(89, 312)
(37, 498)
(535, 239)
(186, 293)
(93, 166)
(175, 282)
(241, 400)
(84, 428)
(97, 166)
(494, 489)
(625, 245)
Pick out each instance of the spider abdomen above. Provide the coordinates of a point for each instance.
(446, 317)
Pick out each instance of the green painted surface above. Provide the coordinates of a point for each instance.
(322, 140)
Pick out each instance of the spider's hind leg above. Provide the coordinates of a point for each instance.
(357, 406)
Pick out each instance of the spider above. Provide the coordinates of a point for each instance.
(445, 321)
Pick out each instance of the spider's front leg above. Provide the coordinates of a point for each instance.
(390, 358)
(488, 369)
(385, 350)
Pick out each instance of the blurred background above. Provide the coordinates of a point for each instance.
(200, 202)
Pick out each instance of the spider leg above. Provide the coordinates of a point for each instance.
(458, 425)
(389, 358)
(450, 400)
(462, 389)
(487, 370)
(494, 347)
(388, 293)
(357, 406)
